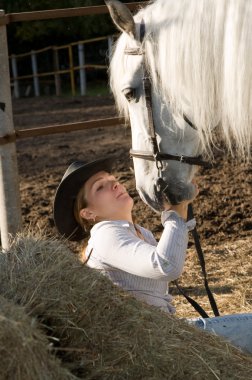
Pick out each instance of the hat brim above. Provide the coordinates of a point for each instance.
(66, 193)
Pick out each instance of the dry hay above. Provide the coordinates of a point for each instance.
(24, 349)
(103, 333)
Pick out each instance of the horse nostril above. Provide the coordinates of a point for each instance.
(163, 187)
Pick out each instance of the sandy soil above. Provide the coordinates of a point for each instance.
(223, 208)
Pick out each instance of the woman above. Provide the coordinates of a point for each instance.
(127, 253)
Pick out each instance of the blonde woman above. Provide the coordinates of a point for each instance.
(90, 196)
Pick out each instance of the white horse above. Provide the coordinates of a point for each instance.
(198, 56)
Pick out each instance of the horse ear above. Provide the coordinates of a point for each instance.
(121, 17)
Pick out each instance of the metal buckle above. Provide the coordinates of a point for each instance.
(182, 159)
(133, 51)
(159, 164)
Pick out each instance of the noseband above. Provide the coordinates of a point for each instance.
(155, 154)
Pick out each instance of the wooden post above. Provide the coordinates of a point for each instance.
(35, 73)
(110, 47)
(71, 68)
(83, 82)
(110, 52)
(10, 209)
(15, 75)
(56, 69)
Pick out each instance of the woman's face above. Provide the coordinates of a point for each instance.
(107, 199)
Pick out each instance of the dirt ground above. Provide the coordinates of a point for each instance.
(222, 209)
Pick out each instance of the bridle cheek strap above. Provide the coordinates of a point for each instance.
(155, 154)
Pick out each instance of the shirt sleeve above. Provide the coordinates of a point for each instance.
(120, 248)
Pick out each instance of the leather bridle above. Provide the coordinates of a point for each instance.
(155, 154)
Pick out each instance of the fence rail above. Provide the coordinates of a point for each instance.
(61, 13)
(56, 71)
(60, 128)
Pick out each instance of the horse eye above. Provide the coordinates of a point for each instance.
(130, 94)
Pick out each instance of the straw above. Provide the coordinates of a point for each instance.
(24, 349)
(103, 332)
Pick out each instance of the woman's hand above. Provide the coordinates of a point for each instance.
(181, 209)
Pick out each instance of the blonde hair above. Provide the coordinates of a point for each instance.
(80, 203)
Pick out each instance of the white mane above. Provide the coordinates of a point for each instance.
(199, 55)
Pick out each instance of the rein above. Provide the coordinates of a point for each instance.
(159, 157)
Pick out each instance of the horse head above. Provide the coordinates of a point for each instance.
(173, 134)
(184, 72)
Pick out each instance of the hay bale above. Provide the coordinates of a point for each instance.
(24, 349)
(103, 332)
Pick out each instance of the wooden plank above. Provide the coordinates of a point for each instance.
(61, 128)
(10, 203)
(62, 13)
(52, 73)
(70, 127)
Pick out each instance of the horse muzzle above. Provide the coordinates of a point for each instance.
(172, 193)
(163, 188)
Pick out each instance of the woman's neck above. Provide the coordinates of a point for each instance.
(120, 216)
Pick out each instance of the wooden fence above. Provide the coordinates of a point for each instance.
(10, 205)
(57, 71)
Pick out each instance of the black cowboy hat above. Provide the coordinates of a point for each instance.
(72, 181)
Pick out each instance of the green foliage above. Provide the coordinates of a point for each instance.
(30, 35)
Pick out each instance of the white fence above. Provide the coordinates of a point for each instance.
(56, 72)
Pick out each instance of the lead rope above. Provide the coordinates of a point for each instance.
(200, 254)
(194, 304)
(190, 160)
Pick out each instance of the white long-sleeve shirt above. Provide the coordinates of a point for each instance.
(143, 267)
